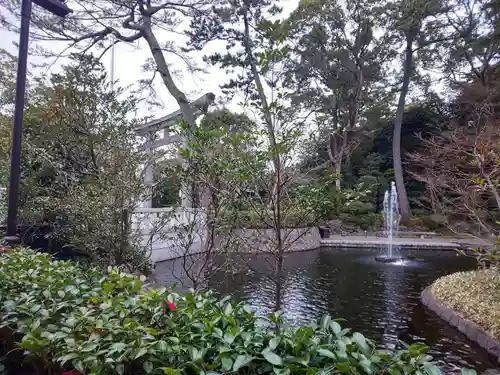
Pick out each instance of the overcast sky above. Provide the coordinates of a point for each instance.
(129, 59)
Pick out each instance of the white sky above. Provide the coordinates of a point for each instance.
(129, 59)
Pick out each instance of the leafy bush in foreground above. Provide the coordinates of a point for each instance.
(106, 324)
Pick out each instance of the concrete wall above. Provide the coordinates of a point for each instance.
(162, 231)
(169, 233)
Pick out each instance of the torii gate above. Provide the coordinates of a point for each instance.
(150, 129)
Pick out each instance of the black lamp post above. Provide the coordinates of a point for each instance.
(58, 8)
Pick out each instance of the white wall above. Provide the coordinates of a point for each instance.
(158, 229)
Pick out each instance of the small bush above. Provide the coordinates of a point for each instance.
(475, 295)
(367, 221)
(486, 258)
(107, 324)
(254, 219)
(434, 221)
(358, 208)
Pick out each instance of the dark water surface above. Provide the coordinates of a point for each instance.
(379, 300)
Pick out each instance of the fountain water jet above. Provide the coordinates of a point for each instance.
(391, 223)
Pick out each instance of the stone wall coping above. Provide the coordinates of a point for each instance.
(474, 332)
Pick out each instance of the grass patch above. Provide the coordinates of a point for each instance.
(475, 295)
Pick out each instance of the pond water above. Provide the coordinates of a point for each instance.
(379, 300)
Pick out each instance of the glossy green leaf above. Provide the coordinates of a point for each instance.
(343, 367)
(359, 339)
(228, 338)
(119, 346)
(224, 349)
(68, 357)
(78, 365)
(241, 361)
(272, 358)
(282, 371)
(227, 363)
(89, 347)
(120, 368)
(162, 346)
(274, 342)
(141, 352)
(195, 354)
(431, 369)
(326, 353)
(325, 321)
(336, 328)
(148, 367)
(228, 309)
(416, 349)
(174, 340)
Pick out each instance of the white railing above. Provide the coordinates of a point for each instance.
(163, 231)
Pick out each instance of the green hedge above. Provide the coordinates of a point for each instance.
(252, 219)
(72, 318)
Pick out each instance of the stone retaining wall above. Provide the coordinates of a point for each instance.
(470, 329)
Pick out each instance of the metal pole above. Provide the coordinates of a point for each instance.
(15, 161)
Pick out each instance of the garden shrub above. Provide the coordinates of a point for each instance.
(485, 257)
(249, 219)
(434, 221)
(72, 318)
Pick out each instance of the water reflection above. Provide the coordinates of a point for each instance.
(380, 300)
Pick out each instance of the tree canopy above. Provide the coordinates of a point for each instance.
(360, 90)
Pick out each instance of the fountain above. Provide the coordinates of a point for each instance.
(391, 223)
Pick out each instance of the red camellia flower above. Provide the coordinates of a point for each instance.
(72, 372)
(171, 305)
(99, 331)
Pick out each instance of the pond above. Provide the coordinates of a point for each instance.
(379, 300)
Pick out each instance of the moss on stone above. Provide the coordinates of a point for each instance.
(475, 295)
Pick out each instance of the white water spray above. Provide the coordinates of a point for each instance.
(391, 216)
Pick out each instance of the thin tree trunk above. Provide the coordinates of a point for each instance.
(338, 171)
(278, 273)
(335, 155)
(404, 205)
(276, 191)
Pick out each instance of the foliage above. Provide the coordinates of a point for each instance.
(473, 294)
(473, 47)
(8, 65)
(343, 82)
(106, 324)
(486, 258)
(371, 162)
(460, 165)
(252, 220)
(270, 184)
(213, 152)
(119, 23)
(81, 170)
(166, 189)
(331, 69)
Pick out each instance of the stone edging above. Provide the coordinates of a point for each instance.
(468, 328)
